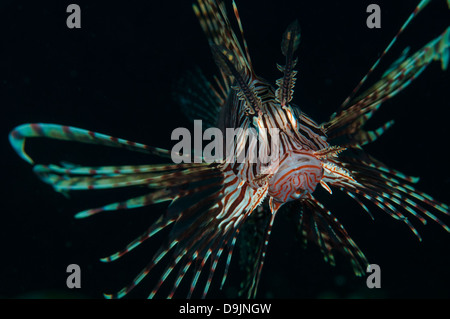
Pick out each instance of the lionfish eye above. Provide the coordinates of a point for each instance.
(303, 159)
(298, 193)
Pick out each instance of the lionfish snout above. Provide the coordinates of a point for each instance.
(298, 174)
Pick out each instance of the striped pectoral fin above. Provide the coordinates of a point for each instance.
(359, 201)
(172, 215)
(398, 62)
(371, 136)
(63, 183)
(250, 200)
(241, 30)
(153, 176)
(202, 230)
(72, 169)
(155, 228)
(363, 137)
(321, 227)
(199, 98)
(398, 77)
(227, 62)
(260, 225)
(160, 254)
(214, 21)
(443, 49)
(390, 190)
(379, 167)
(251, 236)
(183, 240)
(160, 196)
(422, 4)
(19, 134)
(196, 254)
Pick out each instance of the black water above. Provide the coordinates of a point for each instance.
(115, 75)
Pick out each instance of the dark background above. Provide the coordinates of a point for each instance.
(115, 75)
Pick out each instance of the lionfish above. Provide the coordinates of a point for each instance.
(210, 204)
